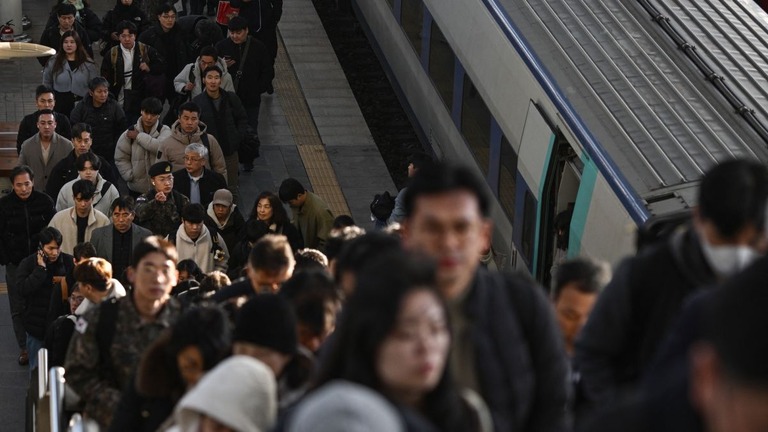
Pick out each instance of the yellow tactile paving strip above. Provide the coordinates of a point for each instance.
(3, 288)
(305, 134)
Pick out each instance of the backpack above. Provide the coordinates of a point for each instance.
(382, 206)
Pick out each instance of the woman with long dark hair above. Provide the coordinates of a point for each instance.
(393, 337)
(269, 209)
(69, 72)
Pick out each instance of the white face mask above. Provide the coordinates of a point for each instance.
(729, 259)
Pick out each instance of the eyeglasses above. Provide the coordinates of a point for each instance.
(166, 180)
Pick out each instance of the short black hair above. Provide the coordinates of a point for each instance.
(152, 105)
(83, 250)
(98, 82)
(213, 68)
(21, 169)
(194, 212)
(733, 195)
(271, 253)
(46, 112)
(85, 188)
(79, 128)
(126, 25)
(308, 258)
(361, 250)
(209, 51)
(88, 156)
(339, 238)
(49, 234)
(421, 160)
(66, 9)
(440, 178)
(309, 292)
(586, 275)
(153, 244)
(290, 188)
(189, 106)
(343, 221)
(125, 202)
(163, 8)
(43, 89)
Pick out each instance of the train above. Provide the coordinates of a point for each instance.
(600, 113)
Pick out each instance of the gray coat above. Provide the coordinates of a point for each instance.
(32, 155)
(68, 80)
(101, 239)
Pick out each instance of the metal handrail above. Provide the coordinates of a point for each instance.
(42, 372)
(56, 404)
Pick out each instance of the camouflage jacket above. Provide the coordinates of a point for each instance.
(162, 218)
(100, 384)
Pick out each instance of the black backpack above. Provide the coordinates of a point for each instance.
(382, 206)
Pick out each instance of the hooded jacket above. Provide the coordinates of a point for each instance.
(172, 148)
(201, 251)
(240, 393)
(66, 222)
(232, 226)
(66, 171)
(134, 157)
(107, 122)
(101, 202)
(193, 70)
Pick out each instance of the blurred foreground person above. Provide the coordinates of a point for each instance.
(109, 340)
(506, 343)
(634, 313)
(393, 337)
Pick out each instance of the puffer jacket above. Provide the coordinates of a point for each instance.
(107, 122)
(134, 157)
(182, 78)
(35, 284)
(202, 251)
(172, 148)
(21, 223)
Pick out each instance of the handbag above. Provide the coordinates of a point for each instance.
(226, 12)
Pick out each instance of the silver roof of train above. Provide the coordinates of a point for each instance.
(651, 108)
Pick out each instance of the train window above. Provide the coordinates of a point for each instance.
(441, 64)
(476, 124)
(507, 178)
(412, 19)
(529, 225)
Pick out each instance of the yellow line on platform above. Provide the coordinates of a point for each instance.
(311, 149)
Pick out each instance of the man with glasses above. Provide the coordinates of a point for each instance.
(137, 147)
(168, 39)
(159, 210)
(196, 181)
(65, 171)
(116, 242)
(45, 149)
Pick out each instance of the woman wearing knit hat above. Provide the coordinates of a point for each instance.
(266, 329)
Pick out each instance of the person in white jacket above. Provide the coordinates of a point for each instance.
(66, 221)
(88, 166)
(137, 147)
(189, 81)
(195, 241)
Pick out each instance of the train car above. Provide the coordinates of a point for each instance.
(595, 115)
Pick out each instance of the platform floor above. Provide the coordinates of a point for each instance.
(311, 129)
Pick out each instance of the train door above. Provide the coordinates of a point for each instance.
(558, 198)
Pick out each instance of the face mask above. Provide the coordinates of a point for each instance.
(728, 260)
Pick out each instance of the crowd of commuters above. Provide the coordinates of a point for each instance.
(160, 326)
(129, 257)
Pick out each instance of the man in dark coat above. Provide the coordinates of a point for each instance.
(51, 36)
(105, 117)
(195, 181)
(45, 100)
(258, 70)
(506, 343)
(635, 311)
(262, 17)
(37, 276)
(23, 214)
(66, 171)
(142, 79)
(226, 119)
